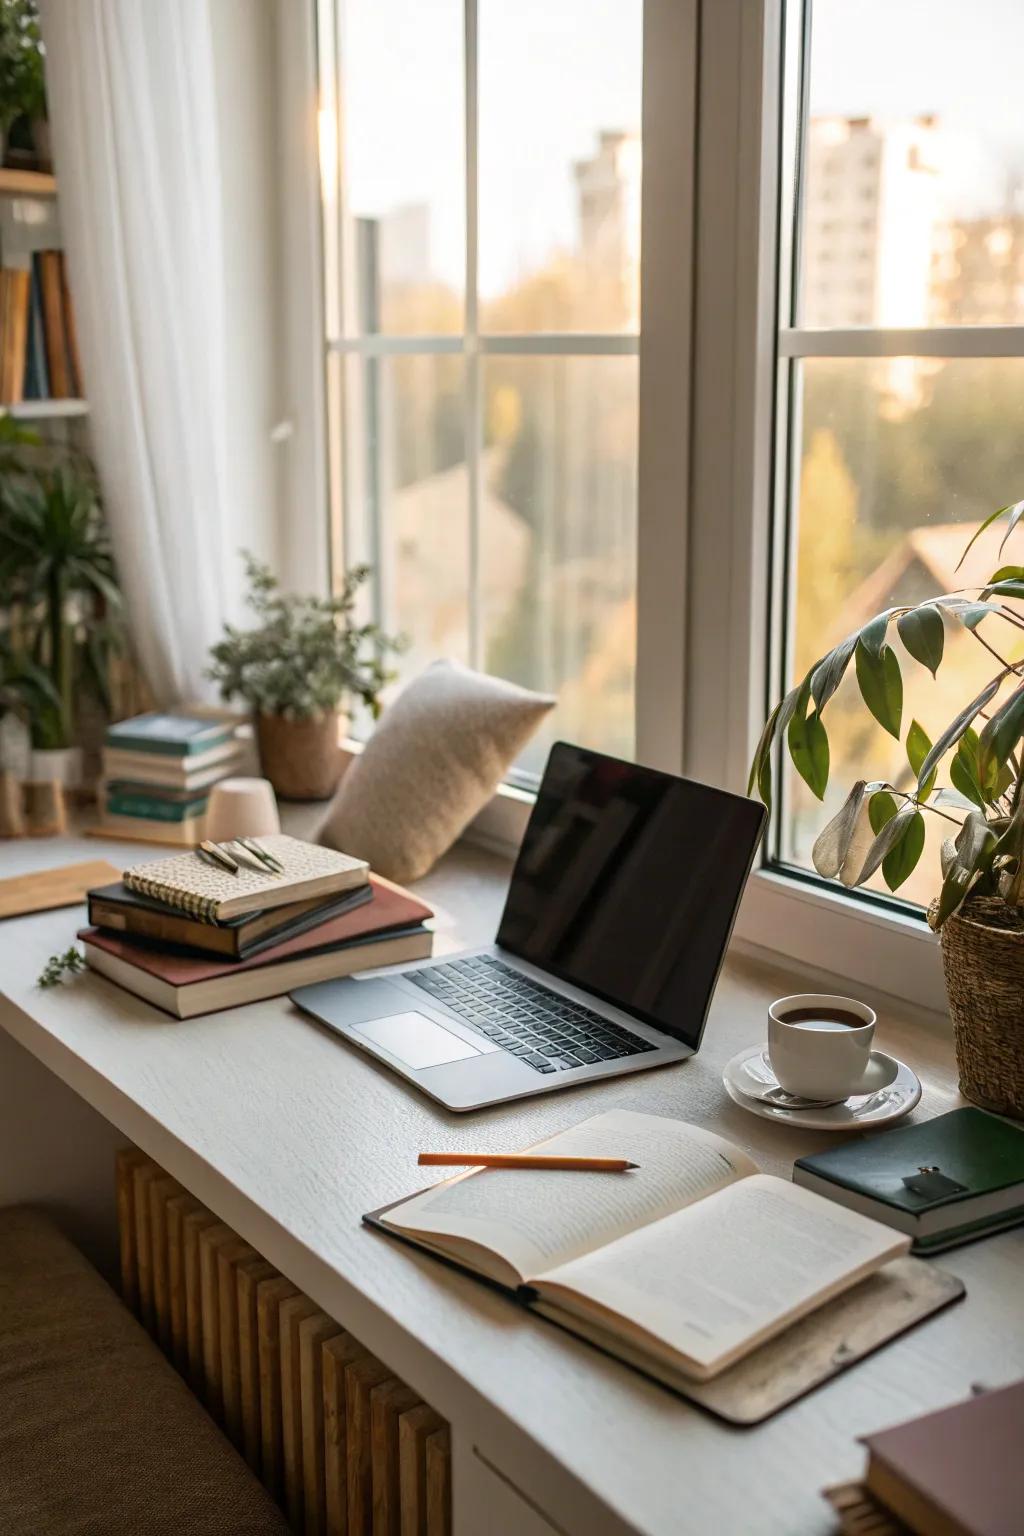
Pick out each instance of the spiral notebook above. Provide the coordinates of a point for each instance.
(188, 883)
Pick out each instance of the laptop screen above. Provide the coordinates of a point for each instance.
(627, 885)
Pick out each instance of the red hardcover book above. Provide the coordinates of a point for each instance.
(385, 931)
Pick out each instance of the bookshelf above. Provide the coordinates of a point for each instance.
(30, 223)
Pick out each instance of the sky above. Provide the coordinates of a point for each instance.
(553, 73)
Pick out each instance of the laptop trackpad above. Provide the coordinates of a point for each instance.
(415, 1039)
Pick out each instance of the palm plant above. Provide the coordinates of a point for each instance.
(880, 826)
(57, 569)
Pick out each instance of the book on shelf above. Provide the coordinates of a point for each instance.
(76, 377)
(956, 1472)
(37, 378)
(385, 931)
(196, 771)
(16, 296)
(155, 801)
(184, 736)
(681, 1267)
(944, 1181)
(119, 910)
(211, 894)
(49, 265)
(187, 833)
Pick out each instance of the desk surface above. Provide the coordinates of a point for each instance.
(291, 1136)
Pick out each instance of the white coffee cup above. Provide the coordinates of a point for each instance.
(815, 1054)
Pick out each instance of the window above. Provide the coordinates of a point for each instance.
(900, 436)
(481, 168)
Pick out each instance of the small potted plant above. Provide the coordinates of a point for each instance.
(979, 908)
(297, 669)
(22, 84)
(58, 576)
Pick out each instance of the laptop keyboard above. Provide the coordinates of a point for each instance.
(549, 1032)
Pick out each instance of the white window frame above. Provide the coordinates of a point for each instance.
(737, 548)
(710, 353)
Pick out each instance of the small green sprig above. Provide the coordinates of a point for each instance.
(59, 967)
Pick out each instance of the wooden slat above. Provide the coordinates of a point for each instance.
(387, 1402)
(178, 1207)
(142, 1177)
(360, 1379)
(439, 1483)
(211, 1240)
(413, 1429)
(126, 1162)
(338, 1355)
(270, 1294)
(160, 1191)
(293, 1312)
(228, 1259)
(193, 1225)
(314, 1332)
(247, 1277)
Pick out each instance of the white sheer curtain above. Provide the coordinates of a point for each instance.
(132, 105)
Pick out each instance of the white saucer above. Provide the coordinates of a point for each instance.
(893, 1093)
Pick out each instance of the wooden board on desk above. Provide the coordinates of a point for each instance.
(46, 889)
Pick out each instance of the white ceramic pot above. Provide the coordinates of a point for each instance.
(62, 765)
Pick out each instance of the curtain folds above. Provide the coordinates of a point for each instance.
(132, 105)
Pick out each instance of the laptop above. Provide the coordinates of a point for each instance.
(620, 907)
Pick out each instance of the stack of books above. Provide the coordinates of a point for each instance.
(957, 1472)
(38, 343)
(193, 939)
(157, 774)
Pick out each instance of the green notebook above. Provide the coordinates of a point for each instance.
(945, 1181)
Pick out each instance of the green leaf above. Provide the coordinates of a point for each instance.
(956, 729)
(1008, 572)
(762, 755)
(881, 808)
(833, 843)
(924, 635)
(994, 517)
(955, 887)
(808, 747)
(889, 835)
(828, 673)
(964, 780)
(999, 737)
(881, 686)
(1010, 587)
(1016, 513)
(901, 860)
(970, 611)
(918, 747)
(872, 636)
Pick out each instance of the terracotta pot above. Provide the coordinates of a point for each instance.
(301, 758)
(983, 963)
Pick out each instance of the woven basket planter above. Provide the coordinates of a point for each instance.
(301, 758)
(983, 962)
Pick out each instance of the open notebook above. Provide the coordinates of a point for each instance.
(681, 1267)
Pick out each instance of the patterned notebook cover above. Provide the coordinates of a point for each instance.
(187, 882)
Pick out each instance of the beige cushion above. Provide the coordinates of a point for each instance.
(436, 757)
(98, 1433)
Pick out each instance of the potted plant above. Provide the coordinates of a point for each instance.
(57, 572)
(979, 908)
(22, 82)
(296, 670)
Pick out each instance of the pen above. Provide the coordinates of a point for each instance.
(524, 1160)
(266, 859)
(211, 854)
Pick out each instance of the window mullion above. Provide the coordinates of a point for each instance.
(473, 383)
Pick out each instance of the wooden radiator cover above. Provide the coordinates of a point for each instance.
(344, 1446)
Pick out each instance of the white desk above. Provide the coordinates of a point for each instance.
(290, 1136)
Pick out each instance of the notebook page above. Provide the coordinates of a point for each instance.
(712, 1279)
(536, 1219)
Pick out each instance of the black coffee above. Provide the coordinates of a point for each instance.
(823, 1018)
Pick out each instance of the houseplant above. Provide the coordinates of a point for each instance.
(58, 576)
(22, 82)
(296, 669)
(979, 909)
